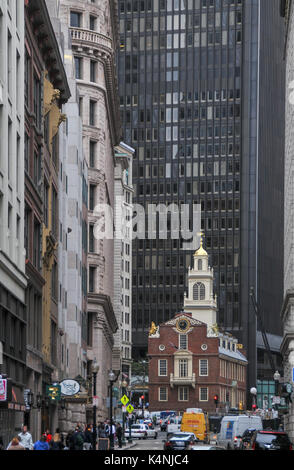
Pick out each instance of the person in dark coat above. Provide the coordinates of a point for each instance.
(78, 439)
(119, 433)
(70, 440)
(88, 438)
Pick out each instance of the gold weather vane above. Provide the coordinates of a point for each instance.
(153, 329)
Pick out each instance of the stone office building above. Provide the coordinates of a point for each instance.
(94, 34)
(287, 311)
(13, 279)
(46, 90)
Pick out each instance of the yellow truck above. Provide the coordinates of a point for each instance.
(196, 423)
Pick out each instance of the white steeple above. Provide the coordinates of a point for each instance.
(200, 300)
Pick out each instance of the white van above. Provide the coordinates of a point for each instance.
(174, 424)
(232, 427)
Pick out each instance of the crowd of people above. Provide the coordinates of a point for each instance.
(81, 438)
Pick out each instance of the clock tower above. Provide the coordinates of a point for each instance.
(201, 301)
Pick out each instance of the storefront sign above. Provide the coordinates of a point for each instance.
(69, 387)
(3, 390)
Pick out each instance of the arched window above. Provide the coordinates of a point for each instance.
(199, 291)
(200, 265)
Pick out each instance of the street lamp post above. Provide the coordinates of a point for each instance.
(277, 381)
(130, 420)
(112, 377)
(253, 392)
(95, 369)
(276, 413)
(124, 387)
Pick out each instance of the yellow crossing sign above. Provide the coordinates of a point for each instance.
(130, 408)
(124, 400)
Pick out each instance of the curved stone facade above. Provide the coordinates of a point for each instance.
(93, 31)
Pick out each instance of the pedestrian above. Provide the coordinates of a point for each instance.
(15, 444)
(78, 439)
(48, 436)
(56, 442)
(70, 445)
(26, 439)
(1, 443)
(101, 431)
(42, 443)
(88, 438)
(111, 435)
(119, 433)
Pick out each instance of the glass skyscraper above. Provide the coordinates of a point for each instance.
(191, 106)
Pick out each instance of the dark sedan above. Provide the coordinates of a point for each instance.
(180, 441)
(270, 440)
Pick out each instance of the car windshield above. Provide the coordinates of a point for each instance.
(275, 439)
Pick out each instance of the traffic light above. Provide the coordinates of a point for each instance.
(254, 407)
(215, 399)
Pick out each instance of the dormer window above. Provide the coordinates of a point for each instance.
(233, 347)
(183, 342)
(224, 344)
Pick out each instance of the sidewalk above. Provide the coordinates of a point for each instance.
(126, 447)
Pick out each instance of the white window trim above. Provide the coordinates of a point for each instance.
(166, 394)
(182, 388)
(203, 388)
(159, 374)
(183, 349)
(203, 375)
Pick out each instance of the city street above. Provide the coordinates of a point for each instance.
(150, 444)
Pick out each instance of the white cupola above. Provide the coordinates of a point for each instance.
(200, 300)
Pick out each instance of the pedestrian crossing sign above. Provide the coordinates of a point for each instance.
(124, 400)
(130, 408)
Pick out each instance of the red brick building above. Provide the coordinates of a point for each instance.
(189, 364)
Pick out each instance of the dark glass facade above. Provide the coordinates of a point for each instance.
(182, 65)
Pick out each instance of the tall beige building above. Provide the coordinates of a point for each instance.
(287, 347)
(94, 33)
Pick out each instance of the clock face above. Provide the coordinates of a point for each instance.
(183, 325)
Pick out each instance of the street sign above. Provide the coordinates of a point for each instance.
(53, 392)
(124, 400)
(276, 400)
(3, 390)
(130, 408)
(124, 409)
(95, 401)
(69, 387)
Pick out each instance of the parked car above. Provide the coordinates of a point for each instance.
(141, 431)
(151, 432)
(180, 441)
(270, 440)
(233, 427)
(246, 438)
